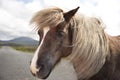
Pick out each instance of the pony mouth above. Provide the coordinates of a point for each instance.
(40, 75)
(43, 72)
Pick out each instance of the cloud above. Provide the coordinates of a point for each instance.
(16, 14)
(68, 4)
(14, 19)
(107, 10)
(35, 5)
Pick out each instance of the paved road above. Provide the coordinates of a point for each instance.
(14, 65)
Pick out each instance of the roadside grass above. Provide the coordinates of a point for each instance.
(29, 49)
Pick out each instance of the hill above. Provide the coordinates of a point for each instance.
(24, 41)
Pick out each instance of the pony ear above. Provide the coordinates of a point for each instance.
(68, 15)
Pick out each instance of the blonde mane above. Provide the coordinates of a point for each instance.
(91, 45)
(47, 17)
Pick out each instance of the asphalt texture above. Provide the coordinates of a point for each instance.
(14, 65)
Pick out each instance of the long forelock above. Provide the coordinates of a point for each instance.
(47, 17)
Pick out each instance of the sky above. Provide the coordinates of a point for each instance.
(15, 15)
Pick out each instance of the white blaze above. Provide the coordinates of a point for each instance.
(33, 65)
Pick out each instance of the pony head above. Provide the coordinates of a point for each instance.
(55, 29)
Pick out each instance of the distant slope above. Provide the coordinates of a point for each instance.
(20, 41)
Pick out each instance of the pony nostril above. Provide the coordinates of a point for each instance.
(41, 67)
(30, 62)
(33, 74)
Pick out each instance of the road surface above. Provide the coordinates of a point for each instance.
(14, 65)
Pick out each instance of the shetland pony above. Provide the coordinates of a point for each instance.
(94, 54)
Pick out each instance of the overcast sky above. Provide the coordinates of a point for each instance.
(16, 14)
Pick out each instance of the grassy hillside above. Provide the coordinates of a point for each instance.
(2, 43)
(30, 49)
(24, 44)
(19, 41)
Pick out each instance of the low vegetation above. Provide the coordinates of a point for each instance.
(19, 47)
(30, 49)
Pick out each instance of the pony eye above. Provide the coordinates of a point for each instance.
(60, 34)
(40, 33)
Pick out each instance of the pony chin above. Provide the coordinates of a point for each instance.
(40, 75)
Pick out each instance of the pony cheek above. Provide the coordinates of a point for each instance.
(66, 52)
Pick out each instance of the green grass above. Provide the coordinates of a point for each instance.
(30, 49)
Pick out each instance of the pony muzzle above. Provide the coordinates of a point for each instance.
(42, 72)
